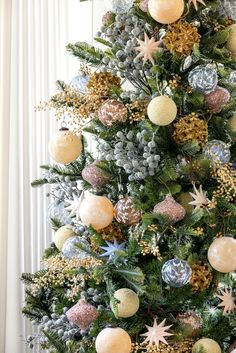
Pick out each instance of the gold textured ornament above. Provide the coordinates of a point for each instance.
(201, 276)
(162, 110)
(65, 147)
(207, 345)
(166, 12)
(62, 235)
(231, 44)
(113, 340)
(221, 254)
(128, 302)
(111, 233)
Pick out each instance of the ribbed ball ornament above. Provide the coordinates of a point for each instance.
(203, 79)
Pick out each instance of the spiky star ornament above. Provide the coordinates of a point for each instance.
(199, 197)
(74, 206)
(195, 3)
(111, 249)
(147, 48)
(157, 333)
(227, 301)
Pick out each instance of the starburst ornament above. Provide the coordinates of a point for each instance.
(74, 206)
(195, 3)
(157, 333)
(227, 301)
(112, 249)
(147, 48)
(199, 197)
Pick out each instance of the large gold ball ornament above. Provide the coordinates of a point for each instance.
(207, 345)
(96, 211)
(62, 235)
(128, 302)
(222, 254)
(113, 340)
(232, 124)
(164, 11)
(231, 44)
(162, 110)
(65, 147)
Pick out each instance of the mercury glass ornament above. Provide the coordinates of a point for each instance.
(232, 78)
(217, 151)
(217, 99)
(79, 83)
(203, 79)
(112, 111)
(70, 248)
(119, 6)
(176, 273)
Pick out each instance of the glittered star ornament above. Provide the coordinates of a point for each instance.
(227, 301)
(157, 333)
(147, 48)
(111, 249)
(74, 206)
(195, 3)
(199, 197)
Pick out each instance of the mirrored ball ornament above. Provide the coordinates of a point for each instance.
(176, 273)
(203, 79)
(79, 83)
(217, 151)
(119, 6)
(70, 248)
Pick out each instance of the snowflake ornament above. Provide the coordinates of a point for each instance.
(199, 197)
(147, 48)
(227, 301)
(157, 333)
(195, 3)
(111, 249)
(74, 206)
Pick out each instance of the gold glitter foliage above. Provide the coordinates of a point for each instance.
(112, 232)
(201, 276)
(137, 110)
(191, 128)
(102, 84)
(181, 38)
(149, 249)
(178, 347)
(226, 178)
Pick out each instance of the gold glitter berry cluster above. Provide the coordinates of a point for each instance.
(181, 38)
(201, 276)
(191, 128)
(226, 178)
(137, 110)
(102, 84)
(178, 347)
(149, 249)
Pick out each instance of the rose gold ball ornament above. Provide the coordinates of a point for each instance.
(217, 99)
(96, 211)
(143, 5)
(206, 345)
(170, 209)
(111, 112)
(65, 147)
(113, 340)
(82, 314)
(126, 213)
(231, 44)
(190, 323)
(222, 254)
(95, 176)
(166, 12)
(162, 110)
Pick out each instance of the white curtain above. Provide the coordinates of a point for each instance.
(33, 36)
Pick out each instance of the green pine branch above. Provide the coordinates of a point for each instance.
(86, 52)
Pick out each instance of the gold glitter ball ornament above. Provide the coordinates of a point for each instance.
(128, 303)
(95, 176)
(191, 128)
(166, 12)
(206, 345)
(232, 123)
(190, 322)
(82, 314)
(65, 147)
(170, 209)
(111, 112)
(217, 99)
(62, 235)
(201, 276)
(221, 254)
(162, 110)
(126, 213)
(113, 340)
(231, 44)
(181, 37)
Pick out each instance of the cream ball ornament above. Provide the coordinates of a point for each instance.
(62, 235)
(65, 147)
(164, 11)
(232, 125)
(222, 254)
(96, 211)
(113, 340)
(231, 43)
(207, 345)
(128, 302)
(162, 110)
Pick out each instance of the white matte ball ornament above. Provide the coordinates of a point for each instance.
(62, 235)
(128, 302)
(231, 44)
(222, 254)
(207, 345)
(96, 211)
(65, 147)
(162, 110)
(113, 340)
(164, 11)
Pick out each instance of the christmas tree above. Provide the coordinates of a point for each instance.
(144, 251)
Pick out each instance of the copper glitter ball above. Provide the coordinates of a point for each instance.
(170, 209)
(111, 112)
(190, 322)
(217, 99)
(95, 176)
(82, 314)
(125, 212)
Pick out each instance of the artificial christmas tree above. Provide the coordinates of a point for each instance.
(144, 254)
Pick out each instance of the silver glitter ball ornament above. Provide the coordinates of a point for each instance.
(79, 83)
(176, 273)
(119, 6)
(217, 151)
(203, 79)
(232, 78)
(70, 248)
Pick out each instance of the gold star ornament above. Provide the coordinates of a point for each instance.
(195, 3)
(157, 333)
(227, 301)
(147, 48)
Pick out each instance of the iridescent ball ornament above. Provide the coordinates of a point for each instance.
(162, 110)
(95, 176)
(171, 209)
(128, 303)
(222, 254)
(203, 79)
(119, 6)
(206, 345)
(126, 213)
(70, 248)
(82, 314)
(112, 112)
(217, 99)
(113, 340)
(166, 12)
(176, 273)
(79, 83)
(217, 151)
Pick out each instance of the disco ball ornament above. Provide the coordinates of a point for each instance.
(232, 78)
(70, 248)
(203, 79)
(217, 151)
(176, 273)
(119, 6)
(79, 83)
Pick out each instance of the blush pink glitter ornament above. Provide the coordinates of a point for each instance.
(95, 176)
(170, 209)
(126, 213)
(111, 112)
(217, 99)
(82, 314)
